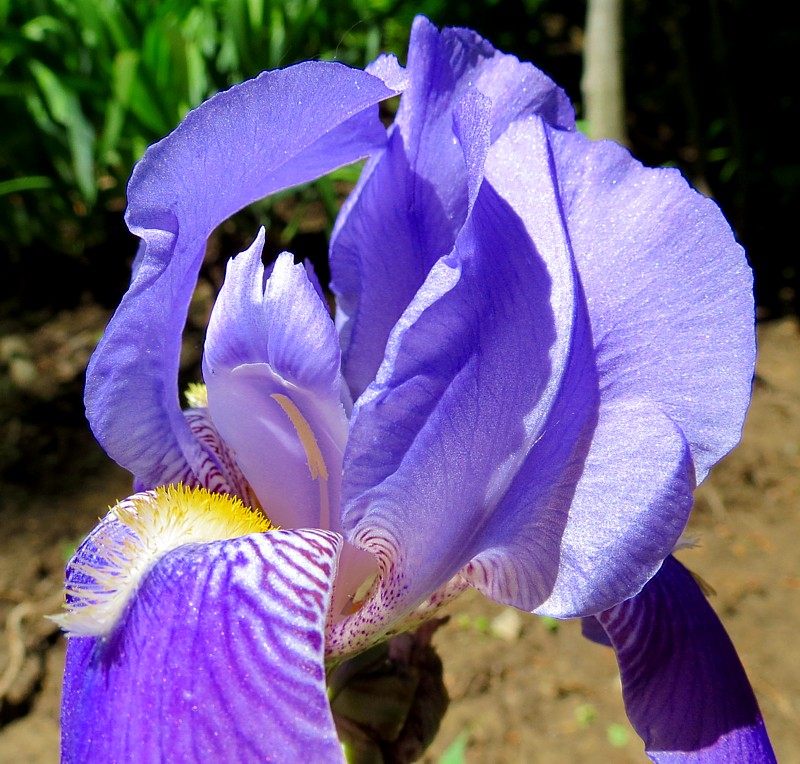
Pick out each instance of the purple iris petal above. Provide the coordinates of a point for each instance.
(685, 690)
(669, 291)
(471, 376)
(410, 204)
(380, 254)
(282, 128)
(220, 473)
(445, 64)
(271, 367)
(597, 505)
(568, 545)
(471, 127)
(219, 657)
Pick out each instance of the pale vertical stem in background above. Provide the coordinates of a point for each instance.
(602, 82)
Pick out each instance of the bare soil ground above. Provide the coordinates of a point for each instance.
(523, 689)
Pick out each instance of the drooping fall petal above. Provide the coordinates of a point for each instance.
(217, 657)
(685, 690)
(384, 244)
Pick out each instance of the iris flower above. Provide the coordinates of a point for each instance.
(540, 348)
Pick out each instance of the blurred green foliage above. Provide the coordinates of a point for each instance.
(88, 84)
(85, 87)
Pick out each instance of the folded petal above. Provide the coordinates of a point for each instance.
(386, 239)
(594, 509)
(271, 367)
(685, 690)
(282, 128)
(410, 204)
(473, 370)
(443, 65)
(387, 68)
(219, 657)
(591, 532)
(442, 68)
(669, 290)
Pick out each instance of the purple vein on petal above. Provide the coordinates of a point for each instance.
(218, 658)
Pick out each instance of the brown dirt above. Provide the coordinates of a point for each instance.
(523, 689)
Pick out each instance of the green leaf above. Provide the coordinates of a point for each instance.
(255, 9)
(57, 97)
(29, 183)
(81, 138)
(37, 29)
(65, 108)
(277, 37)
(123, 75)
(196, 78)
(112, 130)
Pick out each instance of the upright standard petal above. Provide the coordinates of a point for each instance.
(282, 128)
(473, 371)
(590, 514)
(669, 291)
(685, 690)
(443, 66)
(218, 657)
(271, 367)
(410, 203)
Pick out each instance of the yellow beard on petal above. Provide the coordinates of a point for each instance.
(141, 530)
